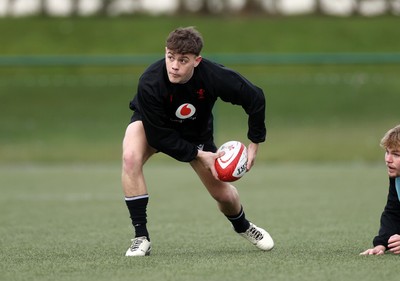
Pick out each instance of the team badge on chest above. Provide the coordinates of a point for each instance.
(185, 111)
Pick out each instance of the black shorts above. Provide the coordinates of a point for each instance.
(208, 146)
(136, 116)
(205, 146)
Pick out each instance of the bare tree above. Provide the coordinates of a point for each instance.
(75, 7)
(318, 7)
(9, 6)
(205, 7)
(43, 9)
(182, 7)
(105, 5)
(252, 6)
(389, 6)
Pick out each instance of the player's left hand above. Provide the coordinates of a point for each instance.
(251, 154)
(394, 244)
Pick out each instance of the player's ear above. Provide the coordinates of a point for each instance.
(197, 60)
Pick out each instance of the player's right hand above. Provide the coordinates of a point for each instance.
(208, 160)
(394, 244)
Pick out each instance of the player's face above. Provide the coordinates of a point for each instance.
(392, 159)
(180, 67)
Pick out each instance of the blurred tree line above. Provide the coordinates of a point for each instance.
(278, 7)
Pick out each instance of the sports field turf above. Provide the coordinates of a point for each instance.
(315, 112)
(319, 184)
(68, 222)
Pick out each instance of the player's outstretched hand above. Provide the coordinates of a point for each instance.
(394, 244)
(378, 250)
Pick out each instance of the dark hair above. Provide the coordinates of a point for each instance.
(185, 40)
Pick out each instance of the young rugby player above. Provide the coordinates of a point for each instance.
(172, 114)
(388, 238)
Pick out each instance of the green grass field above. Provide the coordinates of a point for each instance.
(319, 184)
(69, 222)
(316, 112)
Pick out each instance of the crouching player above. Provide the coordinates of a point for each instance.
(388, 238)
(173, 115)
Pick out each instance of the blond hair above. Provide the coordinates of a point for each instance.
(391, 139)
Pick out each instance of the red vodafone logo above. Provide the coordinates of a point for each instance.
(186, 110)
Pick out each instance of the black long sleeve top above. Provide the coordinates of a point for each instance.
(390, 218)
(176, 117)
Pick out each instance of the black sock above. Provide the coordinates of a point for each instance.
(137, 209)
(239, 222)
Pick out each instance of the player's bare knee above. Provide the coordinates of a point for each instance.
(131, 162)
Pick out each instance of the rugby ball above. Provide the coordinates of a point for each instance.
(233, 164)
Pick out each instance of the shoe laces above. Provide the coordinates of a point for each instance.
(254, 233)
(136, 242)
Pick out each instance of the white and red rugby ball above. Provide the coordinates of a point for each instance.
(233, 164)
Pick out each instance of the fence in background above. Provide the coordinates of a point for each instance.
(242, 59)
